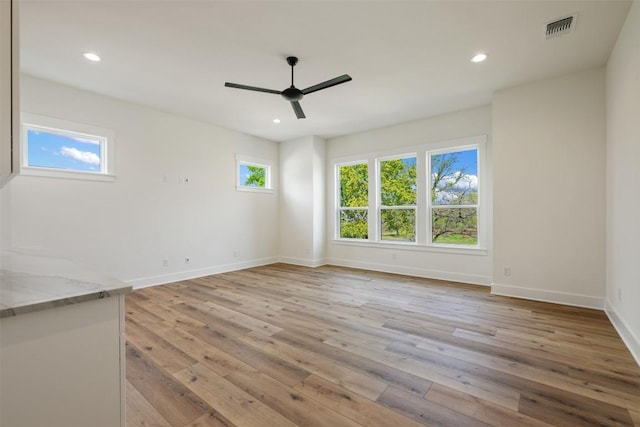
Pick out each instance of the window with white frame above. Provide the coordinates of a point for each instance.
(60, 148)
(428, 198)
(253, 174)
(398, 199)
(353, 201)
(453, 182)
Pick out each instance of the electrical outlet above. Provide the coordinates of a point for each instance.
(165, 262)
(235, 254)
(507, 271)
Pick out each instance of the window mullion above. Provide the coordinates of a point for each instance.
(374, 200)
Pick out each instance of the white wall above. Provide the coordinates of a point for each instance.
(623, 178)
(4, 217)
(302, 203)
(319, 201)
(467, 267)
(549, 189)
(127, 227)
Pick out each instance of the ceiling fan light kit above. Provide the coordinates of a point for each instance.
(292, 93)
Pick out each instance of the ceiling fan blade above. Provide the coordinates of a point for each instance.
(298, 110)
(257, 89)
(335, 81)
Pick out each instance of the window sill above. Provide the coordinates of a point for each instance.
(413, 247)
(254, 189)
(63, 174)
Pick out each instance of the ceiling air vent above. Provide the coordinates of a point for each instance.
(560, 27)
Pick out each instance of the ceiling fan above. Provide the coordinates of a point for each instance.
(292, 93)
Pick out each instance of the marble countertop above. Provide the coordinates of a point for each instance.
(32, 281)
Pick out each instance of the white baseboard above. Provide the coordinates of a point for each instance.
(576, 300)
(474, 279)
(200, 272)
(630, 339)
(304, 262)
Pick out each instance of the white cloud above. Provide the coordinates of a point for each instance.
(464, 183)
(82, 156)
(86, 140)
(450, 190)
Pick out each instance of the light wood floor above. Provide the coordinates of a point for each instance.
(291, 346)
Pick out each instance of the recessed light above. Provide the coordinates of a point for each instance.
(91, 56)
(276, 120)
(479, 57)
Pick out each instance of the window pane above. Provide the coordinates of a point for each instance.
(353, 224)
(398, 224)
(455, 178)
(253, 176)
(458, 226)
(354, 185)
(59, 151)
(398, 182)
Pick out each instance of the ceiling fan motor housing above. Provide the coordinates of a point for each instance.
(292, 94)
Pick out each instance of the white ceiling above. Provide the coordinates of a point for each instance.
(408, 60)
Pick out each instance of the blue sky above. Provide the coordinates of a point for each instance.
(51, 150)
(468, 159)
(244, 174)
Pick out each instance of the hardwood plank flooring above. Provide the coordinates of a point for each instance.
(283, 345)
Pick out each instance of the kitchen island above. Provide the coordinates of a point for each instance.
(61, 343)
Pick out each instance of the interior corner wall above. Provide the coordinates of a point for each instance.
(623, 178)
(302, 206)
(549, 190)
(128, 227)
(319, 202)
(461, 267)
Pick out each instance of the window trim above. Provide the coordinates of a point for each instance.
(254, 161)
(423, 211)
(53, 125)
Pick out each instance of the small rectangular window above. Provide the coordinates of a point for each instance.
(353, 212)
(398, 199)
(253, 174)
(454, 197)
(62, 149)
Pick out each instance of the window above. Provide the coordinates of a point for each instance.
(454, 197)
(353, 214)
(253, 174)
(398, 192)
(58, 148)
(425, 198)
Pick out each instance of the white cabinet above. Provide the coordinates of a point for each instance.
(62, 361)
(64, 367)
(9, 99)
